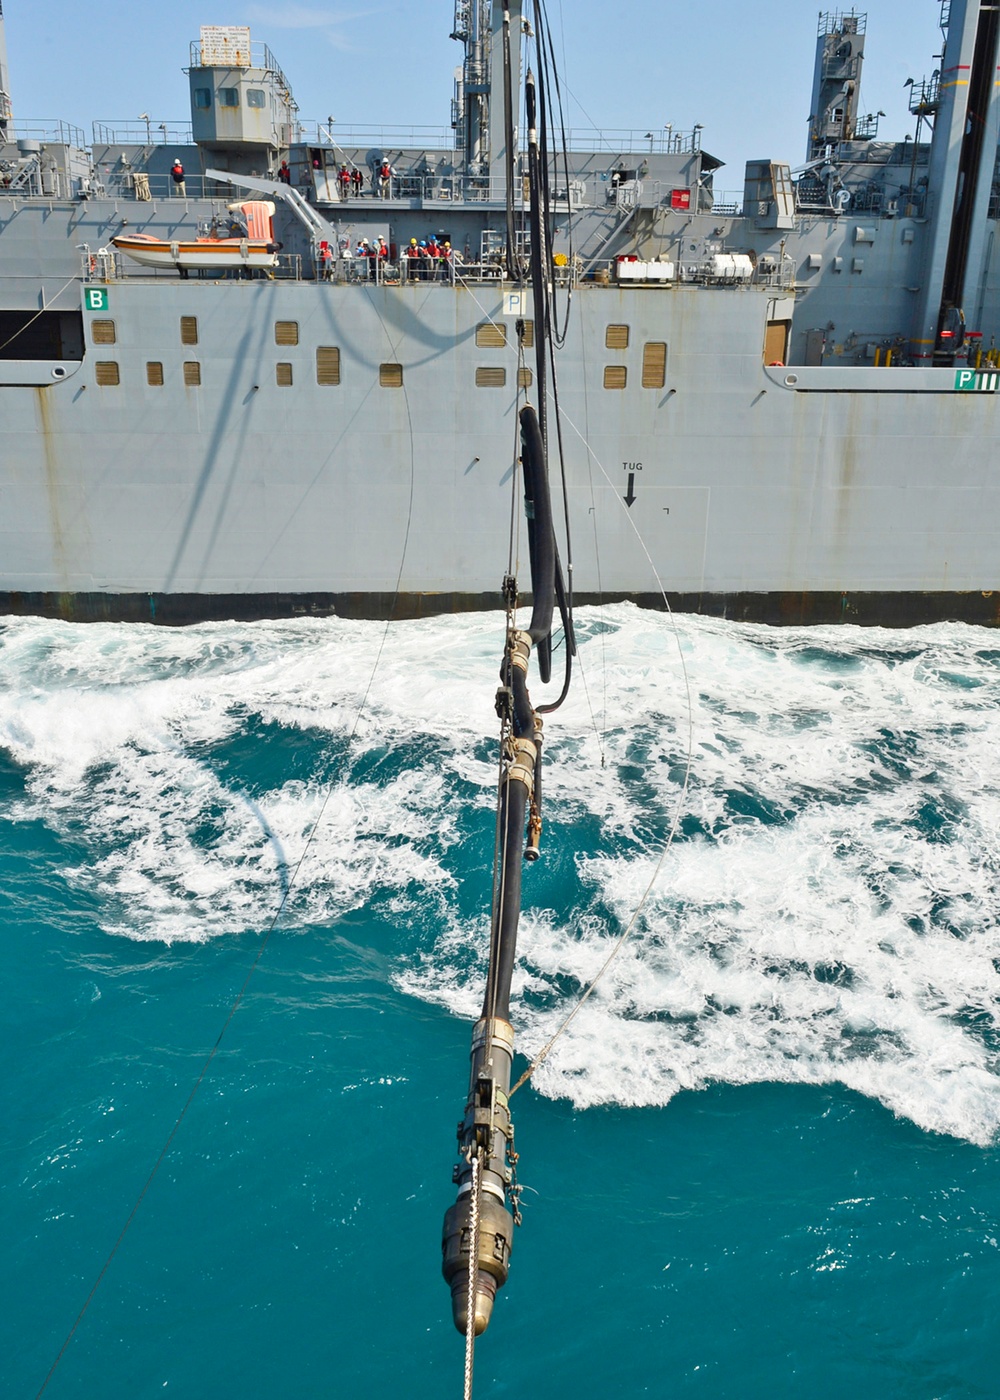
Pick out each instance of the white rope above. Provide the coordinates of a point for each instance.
(470, 1307)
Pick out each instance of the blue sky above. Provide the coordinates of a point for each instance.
(742, 68)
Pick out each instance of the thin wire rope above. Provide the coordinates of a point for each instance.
(678, 809)
(282, 903)
(470, 1306)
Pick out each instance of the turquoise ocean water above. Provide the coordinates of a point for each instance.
(762, 1162)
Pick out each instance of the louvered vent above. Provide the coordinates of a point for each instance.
(189, 330)
(328, 364)
(616, 338)
(614, 376)
(390, 376)
(491, 336)
(654, 365)
(102, 332)
(154, 372)
(490, 377)
(192, 373)
(286, 332)
(106, 372)
(283, 374)
(525, 378)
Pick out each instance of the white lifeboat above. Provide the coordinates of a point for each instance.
(257, 250)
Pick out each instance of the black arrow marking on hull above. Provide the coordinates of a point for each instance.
(629, 497)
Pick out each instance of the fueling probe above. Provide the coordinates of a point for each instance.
(479, 1227)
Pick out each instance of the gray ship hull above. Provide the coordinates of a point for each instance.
(735, 488)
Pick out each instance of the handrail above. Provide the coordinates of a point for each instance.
(398, 141)
(50, 129)
(168, 133)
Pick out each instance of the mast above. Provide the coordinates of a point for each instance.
(484, 85)
(6, 114)
(840, 54)
(963, 156)
(471, 113)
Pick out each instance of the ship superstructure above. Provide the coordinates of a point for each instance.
(791, 398)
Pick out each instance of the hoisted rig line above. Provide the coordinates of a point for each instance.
(478, 1229)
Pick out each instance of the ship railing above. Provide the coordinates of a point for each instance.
(123, 182)
(404, 272)
(151, 133)
(107, 264)
(48, 131)
(218, 54)
(403, 143)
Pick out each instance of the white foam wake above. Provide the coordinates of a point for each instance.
(830, 912)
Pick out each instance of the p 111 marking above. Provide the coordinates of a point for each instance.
(973, 380)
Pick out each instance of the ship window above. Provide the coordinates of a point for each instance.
(102, 332)
(390, 376)
(189, 330)
(524, 378)
(616, 338)
(614, 376)
(192, 373)
(490, 335)
(229, 97)
(255, 97)
(203, 98)
(327, 364)
(488, 377)
(154, 372)
(654, 365)
(286, 332)
(106, 372)
(283, 374)
(528, 334)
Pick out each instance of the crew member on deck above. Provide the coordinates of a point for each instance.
(357, 180)
(177, 175)
(385, 174)
(284, 174)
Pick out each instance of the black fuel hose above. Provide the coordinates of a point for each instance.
(513, 806)
(541, 537)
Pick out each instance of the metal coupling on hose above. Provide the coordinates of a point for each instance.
(524, 754)
(519, 649)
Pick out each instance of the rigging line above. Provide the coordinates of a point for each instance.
(678, 809)
(285, 896)
(603, 736)
(550, 70)
(470, 1307)
(46, 306)
(510, 617)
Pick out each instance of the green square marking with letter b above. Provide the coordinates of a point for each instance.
(95, 298)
